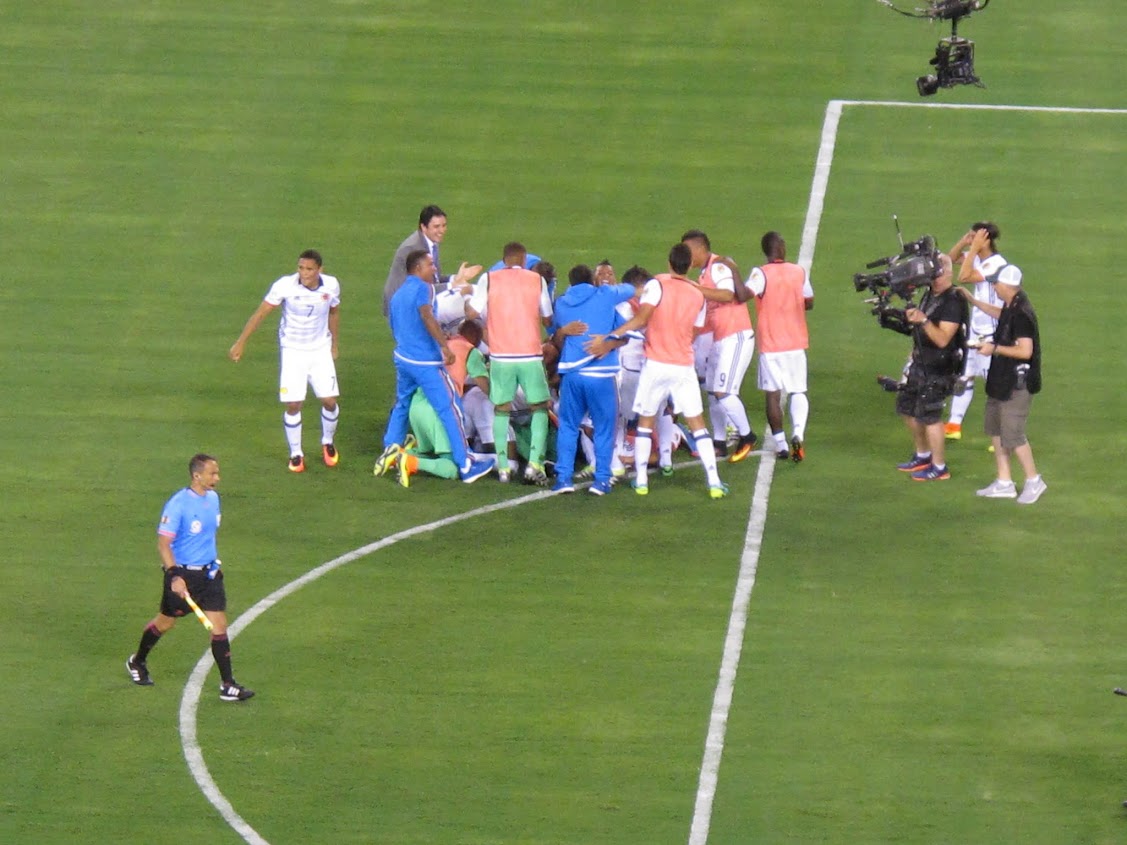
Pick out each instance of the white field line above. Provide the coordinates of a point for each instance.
(189, 702)
(737, 622)
(733, 643)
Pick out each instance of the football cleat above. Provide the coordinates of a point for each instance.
(403, 469)
(234, 692)
(600, 488)
(953, 431)
(330, 455)
(640, 489)
(797, 452)
(562, 486)
(387, 459)
(743, 448)
(718, 492)
(138, 671)
(782, 455)
(297, 463)
(534, 474)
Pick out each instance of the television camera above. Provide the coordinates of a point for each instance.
(914, 267)
(954, 57)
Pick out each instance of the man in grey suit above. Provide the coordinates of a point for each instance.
(431, 231)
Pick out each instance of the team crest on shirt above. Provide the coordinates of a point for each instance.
(164, 520)
(196, 527)
(324, 297)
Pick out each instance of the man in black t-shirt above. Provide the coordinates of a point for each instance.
(939, 339)
(1015, 375)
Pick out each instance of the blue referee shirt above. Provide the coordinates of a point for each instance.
(191, 520)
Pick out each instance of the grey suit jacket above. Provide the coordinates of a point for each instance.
(397, 273)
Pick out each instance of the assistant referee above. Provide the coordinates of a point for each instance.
(186, 543)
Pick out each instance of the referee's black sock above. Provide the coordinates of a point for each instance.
(221, 651)
(148, 639)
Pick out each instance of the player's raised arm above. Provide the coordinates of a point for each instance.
(264, 308)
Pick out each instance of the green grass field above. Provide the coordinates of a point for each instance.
(918, 666)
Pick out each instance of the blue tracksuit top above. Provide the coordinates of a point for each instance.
(594, 306)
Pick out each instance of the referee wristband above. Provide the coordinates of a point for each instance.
(174, 571)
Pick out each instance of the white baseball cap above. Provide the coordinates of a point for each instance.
(1010, 275)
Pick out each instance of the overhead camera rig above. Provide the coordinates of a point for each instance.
(954, 57)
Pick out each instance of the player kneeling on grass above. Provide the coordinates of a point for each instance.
(428, 448)
(307, 335)
(192, 575)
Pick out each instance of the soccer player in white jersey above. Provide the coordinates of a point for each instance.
(307, 335)
(981, 261)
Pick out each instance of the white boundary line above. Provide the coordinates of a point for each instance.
(745, 582)
(733, 646)
(737, 622)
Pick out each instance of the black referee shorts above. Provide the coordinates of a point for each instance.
(208, 593)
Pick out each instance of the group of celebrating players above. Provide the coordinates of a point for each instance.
(494, 370)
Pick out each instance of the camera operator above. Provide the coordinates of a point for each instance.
(938, 329)
(1014, 377)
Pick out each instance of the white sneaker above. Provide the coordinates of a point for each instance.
(998, 490)
(1032, 490)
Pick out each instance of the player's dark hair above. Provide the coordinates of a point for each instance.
(680, 258)
(313, 254)
(414, 259)
(471, 331)
(992, 232)
(514, 249)
(636, 276)
(197, 463)
(545, 269)
(773, 245)
(429, 213)
(697, 235)
(580, 274)
(604, 263)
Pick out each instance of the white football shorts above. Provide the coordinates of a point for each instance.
(702, 351)
(627, 392)
(728, 363)
(301, 368)
(660, 382)
(785, 371)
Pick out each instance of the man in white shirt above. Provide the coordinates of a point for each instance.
(977, 252)
(307, 335)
